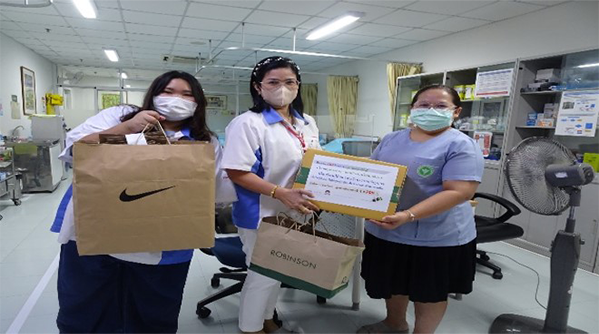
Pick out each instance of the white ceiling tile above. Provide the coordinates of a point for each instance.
(108, 3)
(66, 47)
(308, 7)
(36, 18)
(106, 42)
(276, 19)
(95, 24)
(255, 39)
(84, 33)
(371, 12)
(543, 2)
(50, 37)
(406, 18)
(151, 29)
(8, 25)
(370, 50)
(378, 30)
(384, 3)
(455, 24)
(202, 35)
(42, 28)
(228, 44)
(50, 10)
(263, 30)
(312, 23)
(393, 43)
(205, 10)
(172, 7)
(153, 19)
(422, 34)
(502, 10)
(31, 42)
(352, 39)
(206, 24)
(164, 47)
(104, 14)
(329, 47)
(231, 3)
(16, 34)
(447, 7)
(149, 38)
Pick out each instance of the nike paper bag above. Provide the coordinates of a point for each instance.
(151, 198)
(319, 263)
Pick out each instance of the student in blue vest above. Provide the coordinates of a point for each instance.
(428, 248)
(262, 155)
(139, 292)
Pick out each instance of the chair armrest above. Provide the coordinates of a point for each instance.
(511, 209)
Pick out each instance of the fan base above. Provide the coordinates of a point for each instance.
(513, 323)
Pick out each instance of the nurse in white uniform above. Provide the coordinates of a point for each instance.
(263, 151)
(140, 292)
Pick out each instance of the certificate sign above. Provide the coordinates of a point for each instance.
(494, 83)
(578, 114)
(351, 185)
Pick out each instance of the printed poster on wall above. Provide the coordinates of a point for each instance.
(494, 83)
(578, 114)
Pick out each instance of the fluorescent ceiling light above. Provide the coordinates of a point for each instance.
(127, 86)
(87, 8)
(588, 65)
(124, 75)
(335, 25)
(112, 55)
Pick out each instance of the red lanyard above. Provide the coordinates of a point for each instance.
(295, 134)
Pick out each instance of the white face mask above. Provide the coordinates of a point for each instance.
(174, 108)
(279, 97)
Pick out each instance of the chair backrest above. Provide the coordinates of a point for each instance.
(229, 251)
(359, 148)
(490, 229)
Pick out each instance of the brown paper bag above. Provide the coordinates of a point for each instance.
(303, 258)
(151, 198)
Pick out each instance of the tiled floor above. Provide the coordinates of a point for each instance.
(27, 250)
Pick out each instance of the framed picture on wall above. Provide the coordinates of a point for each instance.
(107, 99)
(216, 102)
(28, 90)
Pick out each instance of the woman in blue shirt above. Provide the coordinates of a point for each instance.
(137, 292)
(428, 248)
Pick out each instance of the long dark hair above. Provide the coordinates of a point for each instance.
(258, 73)
(197, 123)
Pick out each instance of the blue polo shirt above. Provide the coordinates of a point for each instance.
(450, 156)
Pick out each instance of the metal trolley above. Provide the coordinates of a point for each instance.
(10, 179)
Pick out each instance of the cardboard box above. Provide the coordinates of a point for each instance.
(351, 185)
(591, 159)
(548, 75)
(546, 122)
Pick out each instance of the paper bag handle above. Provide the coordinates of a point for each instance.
(159, 127)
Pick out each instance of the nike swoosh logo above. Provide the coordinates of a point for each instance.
(130, 198)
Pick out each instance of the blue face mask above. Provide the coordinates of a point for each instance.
(431, 119)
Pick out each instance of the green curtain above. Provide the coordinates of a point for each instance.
(310, 98)
(395, 70)
(342, 92)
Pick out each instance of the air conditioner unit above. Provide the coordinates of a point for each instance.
(181, 60)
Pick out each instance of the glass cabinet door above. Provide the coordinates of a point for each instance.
(406, 89)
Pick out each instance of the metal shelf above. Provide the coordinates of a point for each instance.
(535, 127)
(542, 92)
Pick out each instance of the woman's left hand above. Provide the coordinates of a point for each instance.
(394, 221)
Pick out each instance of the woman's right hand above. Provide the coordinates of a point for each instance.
(142, 119)
(296, 199)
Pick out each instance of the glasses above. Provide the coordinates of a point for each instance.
(437, 106)
(273, 84)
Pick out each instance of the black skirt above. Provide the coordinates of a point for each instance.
(425, 274)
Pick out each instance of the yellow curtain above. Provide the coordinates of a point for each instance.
(342, 94)
(395, 70)
(310, 97)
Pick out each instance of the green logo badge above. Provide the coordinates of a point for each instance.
(425, 171)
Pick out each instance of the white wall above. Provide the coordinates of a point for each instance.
(570, 26)
(13, 55)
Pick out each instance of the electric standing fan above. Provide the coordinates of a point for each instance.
(545, 178)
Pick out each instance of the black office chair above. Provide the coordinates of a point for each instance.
(359, 148)
(491, 229)
(229, 252)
